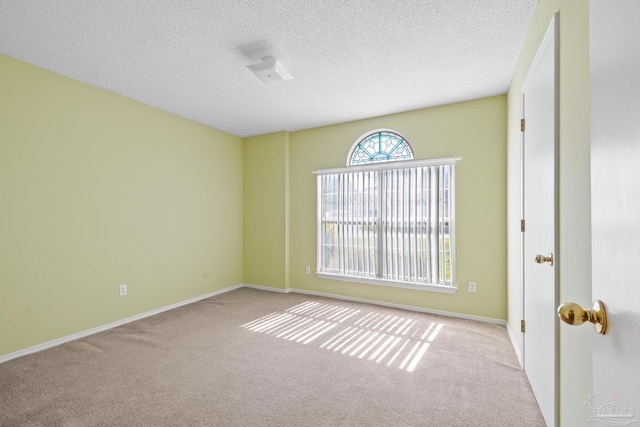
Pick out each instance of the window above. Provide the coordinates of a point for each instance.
(380, 146)
(388, 223)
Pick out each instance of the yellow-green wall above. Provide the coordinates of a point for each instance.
(574, 259)
(265, 210)
(474, 130)
(97, 190)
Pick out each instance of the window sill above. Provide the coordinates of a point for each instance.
(389, 283)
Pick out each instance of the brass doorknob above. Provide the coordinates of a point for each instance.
(573, 314)
(541, 259)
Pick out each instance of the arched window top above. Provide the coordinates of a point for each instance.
(382, 145)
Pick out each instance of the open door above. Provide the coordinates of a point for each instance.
(615, 176)
(615, 211)
(539, 237)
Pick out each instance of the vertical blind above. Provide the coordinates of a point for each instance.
(392, 222)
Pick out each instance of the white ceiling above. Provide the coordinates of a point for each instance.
(351, 59)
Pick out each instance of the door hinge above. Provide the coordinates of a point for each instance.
(522, 326)
(522, 225)
(521, 125)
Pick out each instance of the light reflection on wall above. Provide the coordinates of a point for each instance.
(393, 340)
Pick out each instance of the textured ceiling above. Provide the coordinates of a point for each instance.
(350, 59)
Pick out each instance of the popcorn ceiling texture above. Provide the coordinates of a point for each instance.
(350, 59)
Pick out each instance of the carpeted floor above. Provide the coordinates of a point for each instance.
(256, 358)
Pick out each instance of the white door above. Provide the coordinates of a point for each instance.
(615, 201)
(540, 216)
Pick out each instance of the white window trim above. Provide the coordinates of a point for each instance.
(400, 164)
(389, 283)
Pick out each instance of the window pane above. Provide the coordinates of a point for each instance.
(348, 221)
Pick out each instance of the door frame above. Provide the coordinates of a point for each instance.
(551, 35)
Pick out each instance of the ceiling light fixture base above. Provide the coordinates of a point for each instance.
(270, 70)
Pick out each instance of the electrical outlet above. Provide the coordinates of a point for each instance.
(472, 286)
(308, 269)
(123, 290)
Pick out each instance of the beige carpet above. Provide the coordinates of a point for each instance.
(256, 358)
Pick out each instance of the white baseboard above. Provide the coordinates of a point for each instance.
(265, 288)
(514, 343)
(381, 303)
(49, 344)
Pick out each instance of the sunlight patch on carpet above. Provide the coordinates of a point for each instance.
(397, 341)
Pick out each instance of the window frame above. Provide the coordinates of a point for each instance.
(385, 166)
